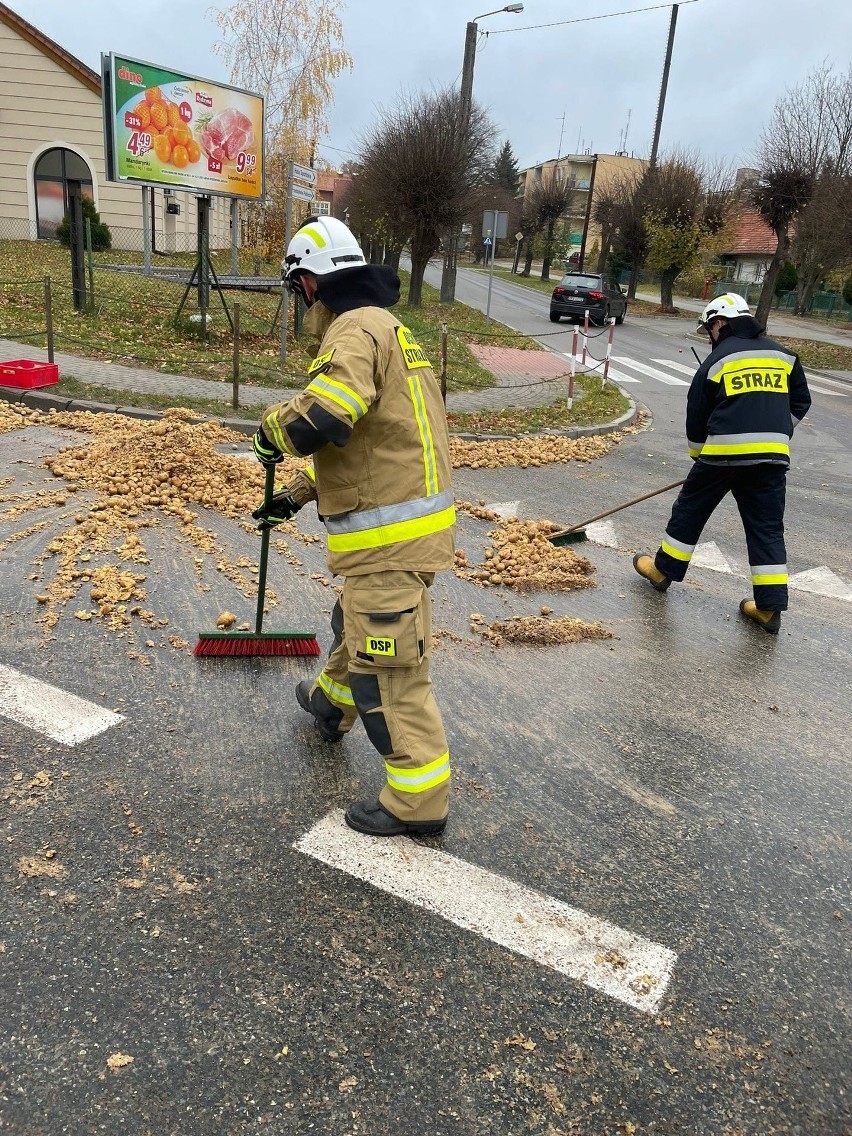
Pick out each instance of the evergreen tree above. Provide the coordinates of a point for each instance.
(506, 172)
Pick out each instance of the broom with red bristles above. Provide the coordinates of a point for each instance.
(239, 644)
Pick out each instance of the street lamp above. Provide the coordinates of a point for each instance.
(470, 56)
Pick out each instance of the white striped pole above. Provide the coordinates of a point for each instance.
(608, 352)
(570, 400)
(585, 334)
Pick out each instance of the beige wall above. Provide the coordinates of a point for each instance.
(41, 106)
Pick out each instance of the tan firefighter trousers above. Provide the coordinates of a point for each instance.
(378, 670)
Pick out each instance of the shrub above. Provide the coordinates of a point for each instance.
(847, 290)
(101, 236)
(788, 278)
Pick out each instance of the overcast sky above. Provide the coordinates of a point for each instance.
(548, 89)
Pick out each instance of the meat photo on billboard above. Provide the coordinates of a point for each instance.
(226, 134)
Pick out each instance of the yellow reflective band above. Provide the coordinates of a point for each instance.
(383, 535)
(419, 779)
(308, 471)
(693, 453)
(329, 388)
(335, 691)
(412, 352)
(675, 553)
(421, 417)
(745, 448)
(320, 361)
(781, 578)
(386, 647)
(315, 235)
(277, 434)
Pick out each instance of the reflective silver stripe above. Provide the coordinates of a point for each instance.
(767, 569)
(693, 445)
(679, 544)
(741, 439)
(342, 395)
(769, 360)
(390, 514)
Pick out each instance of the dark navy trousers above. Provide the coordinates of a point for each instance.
(759, 493)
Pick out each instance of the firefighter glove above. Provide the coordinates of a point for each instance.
(281, 508)
(264, 450)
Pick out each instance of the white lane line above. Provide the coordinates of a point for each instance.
(620, 377)
(607, 958)
(676, 366)
(51, 711)
(644, 369)
(603, 532)
(814, 389)
(823, 582)
(828, 381)
(505, 509)
(710, 555)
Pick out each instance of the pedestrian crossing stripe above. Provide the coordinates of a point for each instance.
(48, 710)
(652, 372)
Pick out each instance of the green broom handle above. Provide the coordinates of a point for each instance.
(268, 491)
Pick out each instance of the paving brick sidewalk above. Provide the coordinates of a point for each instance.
(531, 381)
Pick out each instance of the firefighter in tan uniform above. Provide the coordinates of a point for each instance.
(373, 419)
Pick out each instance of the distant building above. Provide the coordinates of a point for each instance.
(590, 175)
(750, 249)
(52, 131)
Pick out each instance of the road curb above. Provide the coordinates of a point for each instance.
(37, 400)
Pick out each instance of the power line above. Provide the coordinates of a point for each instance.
(587, 19)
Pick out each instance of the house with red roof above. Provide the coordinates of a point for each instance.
(750, 250)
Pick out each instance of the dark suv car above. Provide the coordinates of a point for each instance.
(597, 291)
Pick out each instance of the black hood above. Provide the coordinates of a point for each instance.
(367, 286)
(743, 327)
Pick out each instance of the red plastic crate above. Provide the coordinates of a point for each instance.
(28, 373)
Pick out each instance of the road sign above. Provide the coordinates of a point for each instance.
(487, 242)
(302, 193)
(303, 173)
(519, 236)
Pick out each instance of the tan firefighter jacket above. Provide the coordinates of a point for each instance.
(373, 417)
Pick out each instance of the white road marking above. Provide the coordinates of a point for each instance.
(644, 369)
(505, 509)
(603, 532)
(51, 711)
(619, 376)
(823, 582)
(814, 389)
(709, 555)
(607, 958)
(676, 366)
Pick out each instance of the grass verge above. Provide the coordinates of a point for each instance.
(592, 406)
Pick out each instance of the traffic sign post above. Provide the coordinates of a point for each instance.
(518, 238)
(295, 174)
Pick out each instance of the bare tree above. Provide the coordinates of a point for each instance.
(421, 163)
(543, 207)
(808, 136)
(823, 236)
(612, 202)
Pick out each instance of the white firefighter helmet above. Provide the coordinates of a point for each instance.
(728, 306)
(322, 245)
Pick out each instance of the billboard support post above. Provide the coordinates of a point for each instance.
(203, 262)
(78, 262)
(235, 235)
(146, 231)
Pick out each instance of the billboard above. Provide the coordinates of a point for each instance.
(177, 131)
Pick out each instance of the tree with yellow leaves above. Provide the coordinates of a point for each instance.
(290, 52)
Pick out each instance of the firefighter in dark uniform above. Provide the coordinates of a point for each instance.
(373, 418)
(744, 402)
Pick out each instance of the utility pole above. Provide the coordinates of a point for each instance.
(663, 86)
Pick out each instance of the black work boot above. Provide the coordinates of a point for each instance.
(375, 820)
(303, 697)
(769, 620)
(645, 566)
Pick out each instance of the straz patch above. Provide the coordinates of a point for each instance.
(322, 363)
(412, 352)
(743, 381)
(384, 647)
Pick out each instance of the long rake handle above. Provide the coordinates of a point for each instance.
(617, 509)
(268, 491)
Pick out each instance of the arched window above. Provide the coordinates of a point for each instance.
(54, 171)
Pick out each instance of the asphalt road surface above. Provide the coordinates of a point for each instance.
(636, 922)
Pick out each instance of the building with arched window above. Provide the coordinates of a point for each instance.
(51, 125)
